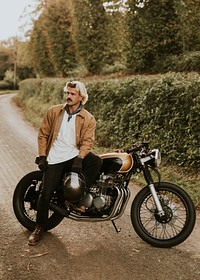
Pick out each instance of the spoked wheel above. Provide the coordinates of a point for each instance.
(172, 228)
(25, 202)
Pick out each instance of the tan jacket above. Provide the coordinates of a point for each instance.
(48, 131)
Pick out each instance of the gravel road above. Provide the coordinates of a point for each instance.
(74, 250)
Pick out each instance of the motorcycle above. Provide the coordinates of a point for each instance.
(162, 213)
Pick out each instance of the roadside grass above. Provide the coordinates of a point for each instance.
(189, 180)
(8, 91)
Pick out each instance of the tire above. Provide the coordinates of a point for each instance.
(174, 227)
(25, 199)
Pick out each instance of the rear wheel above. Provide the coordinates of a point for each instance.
(172, 228)
(25, 202)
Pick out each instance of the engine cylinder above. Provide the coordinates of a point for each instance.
(99, 202)
(86, 200)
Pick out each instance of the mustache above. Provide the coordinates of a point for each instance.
(69, 99)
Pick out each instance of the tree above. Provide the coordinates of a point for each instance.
(7, 55)
(116, 13)
(153, 33)
(51, 43)
(6, 61)
(23, 61)
(60, 43)
(91, 34)
(39, 51)
(189, 14)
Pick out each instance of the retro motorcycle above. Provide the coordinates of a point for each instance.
(162, 213)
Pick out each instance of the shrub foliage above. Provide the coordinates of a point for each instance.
(163, 109)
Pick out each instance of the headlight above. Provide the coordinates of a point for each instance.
(157, 157)
(153, 158)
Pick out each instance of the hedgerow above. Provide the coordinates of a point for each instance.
(164, 109)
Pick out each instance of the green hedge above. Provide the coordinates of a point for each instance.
(186, 62)
(165, 109)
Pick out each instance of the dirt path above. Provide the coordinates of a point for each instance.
(75, 251)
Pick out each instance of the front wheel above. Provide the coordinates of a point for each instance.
(25, 202)
(171, 229)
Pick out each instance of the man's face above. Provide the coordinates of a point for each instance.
(73, 97)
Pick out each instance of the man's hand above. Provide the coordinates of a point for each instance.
(77, 165)
(42, 162)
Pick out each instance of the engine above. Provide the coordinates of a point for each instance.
(102, 194)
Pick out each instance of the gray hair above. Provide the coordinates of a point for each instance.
(80, 87)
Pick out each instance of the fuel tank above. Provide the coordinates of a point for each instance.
(116, 162)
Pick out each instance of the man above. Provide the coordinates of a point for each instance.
(65, 139)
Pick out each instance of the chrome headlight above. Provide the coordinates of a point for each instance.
(153, 158)
(157, 156)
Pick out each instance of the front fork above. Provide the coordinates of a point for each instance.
(150, 182)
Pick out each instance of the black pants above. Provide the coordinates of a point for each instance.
(52, 179)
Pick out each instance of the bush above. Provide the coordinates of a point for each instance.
(39, 94)
(172, 108)
(188, 62)
(164, 109)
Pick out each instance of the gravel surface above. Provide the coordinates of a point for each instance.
(74, 250)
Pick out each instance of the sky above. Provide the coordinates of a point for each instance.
(12, 16)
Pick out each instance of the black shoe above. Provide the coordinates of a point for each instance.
(36, 235)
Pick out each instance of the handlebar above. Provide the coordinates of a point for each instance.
(138, 147)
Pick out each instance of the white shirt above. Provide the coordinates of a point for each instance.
(64, 147)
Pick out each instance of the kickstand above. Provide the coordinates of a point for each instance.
(117, 229)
